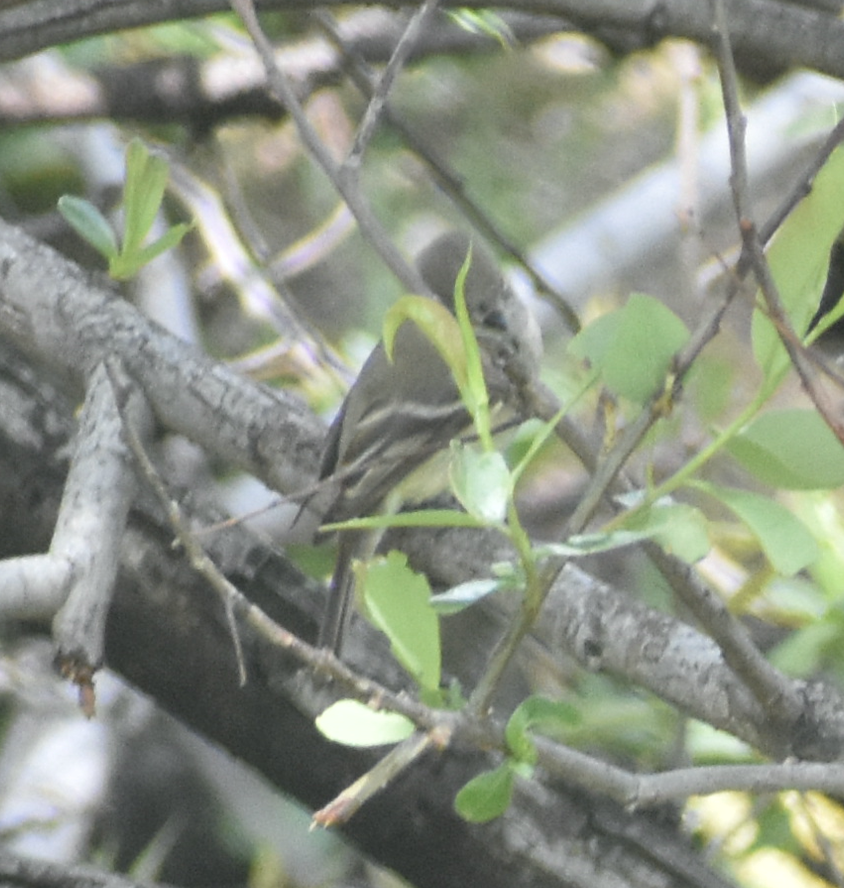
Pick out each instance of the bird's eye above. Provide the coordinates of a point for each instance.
(495, 320)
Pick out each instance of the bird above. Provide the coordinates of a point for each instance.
(403, 409)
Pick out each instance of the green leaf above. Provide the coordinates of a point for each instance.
(784, 538)
(775, 829)
(475, 395)
(822, 516)
(633, 348)
(537, 713)
(486, 796)
(420, 518)
(464, 595)
(146, 179)
(171, 238)
(352, 723)
(397, 601)
(481, 482)
(708, 745)
(679, 528)
(122, 268)
(595, 341)
(682, 531)
(578, 545)
(89, 223)
(437, 323)
(793, 449)
(798, 258)
(484, 22)
(126, 265)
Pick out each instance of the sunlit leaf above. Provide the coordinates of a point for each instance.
(419, 518)
(353, 724)
(464, 595)
(485, 22)
(171, 238)
(578, 545)
(679, 528)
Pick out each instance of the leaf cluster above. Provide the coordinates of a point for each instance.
(143, 195)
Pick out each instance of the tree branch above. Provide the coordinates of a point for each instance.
(49, 307)
(769, 31)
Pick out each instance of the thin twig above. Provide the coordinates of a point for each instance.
(378, 99)
(369, 225)
(344, 806)
(200, 562)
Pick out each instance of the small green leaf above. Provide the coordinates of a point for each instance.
(486, 796)
(798, 259)
(784, 538)
(123, 267)
(437, 323)
(464, 595)
(420, 518)
(397, 601)
(484, 22)
(537, 713)
(353, 724)
(683, 532)
(171, 238)
(595, 341)
(89, 223)
(633, 348)
(146, 179)
(793, 449)
(475, 396)
(481, 482)
(578, 545)
(679, 528)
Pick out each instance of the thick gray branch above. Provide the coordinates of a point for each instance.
(777, 34)
(56, 312)
(97, 497)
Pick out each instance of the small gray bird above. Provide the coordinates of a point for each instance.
(400, 413)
